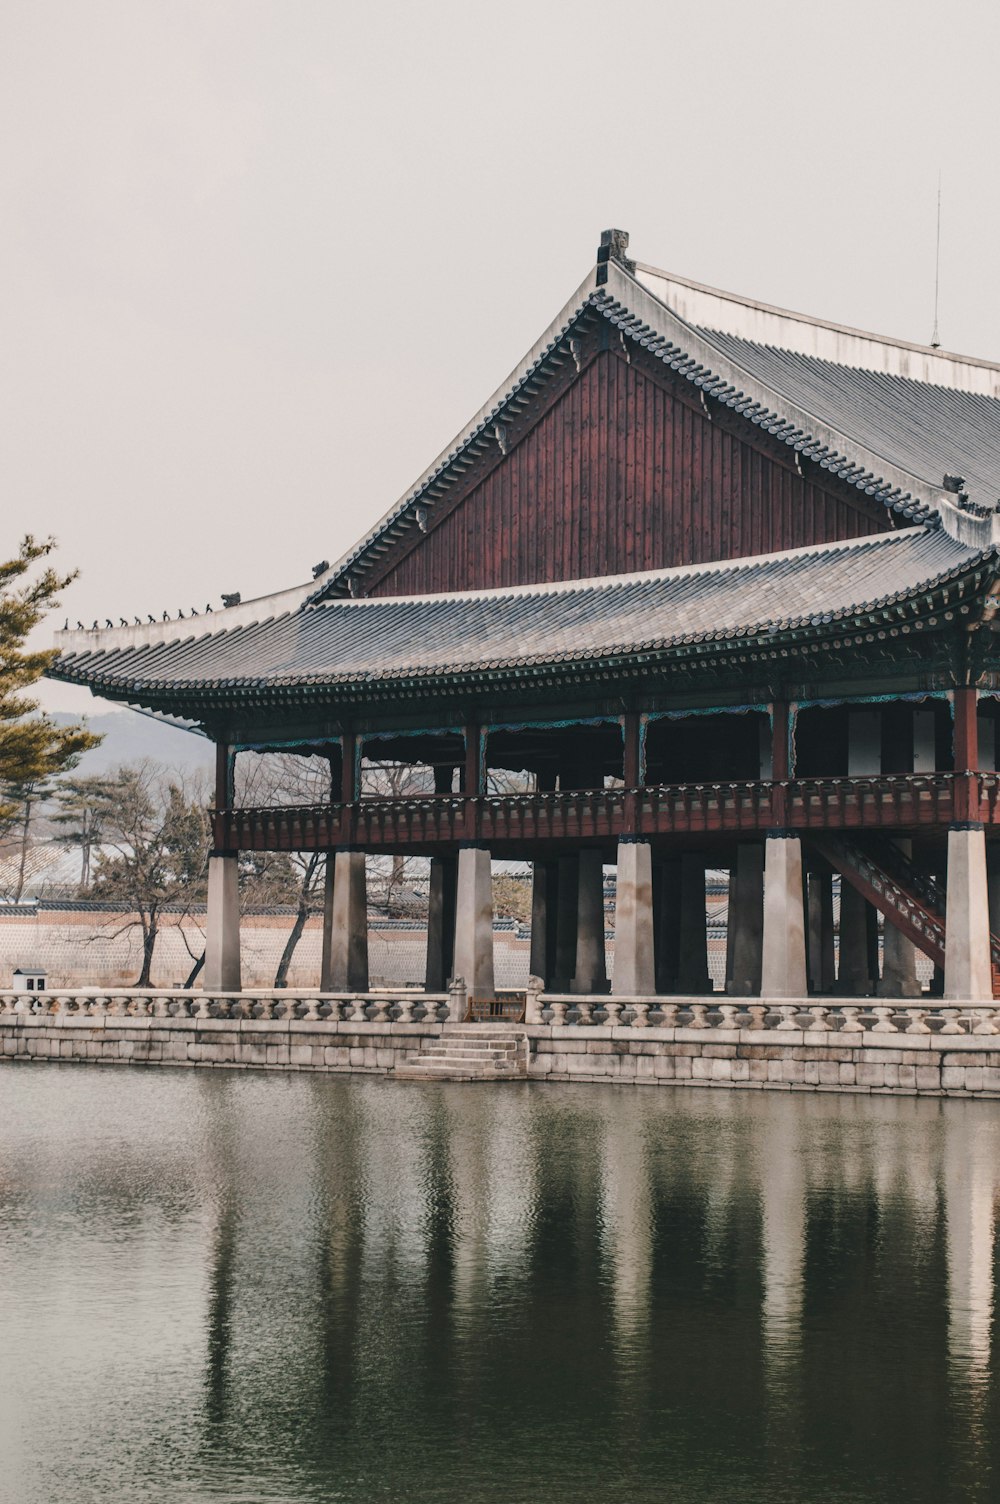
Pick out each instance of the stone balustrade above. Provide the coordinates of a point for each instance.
(331, 1007)
(726, 1016)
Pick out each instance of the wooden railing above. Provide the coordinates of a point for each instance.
(904, 802)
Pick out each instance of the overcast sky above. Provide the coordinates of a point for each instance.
(261, 260)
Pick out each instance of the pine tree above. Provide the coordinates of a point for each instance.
(32, 749)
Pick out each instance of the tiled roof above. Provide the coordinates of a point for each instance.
(385, 639)
(928, 430)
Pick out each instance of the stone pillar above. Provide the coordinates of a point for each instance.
(854, 978)
(667, 917)
(474, 923)
(993, 885)
(222, 926)
(440, 922)
(899, 955)
(783, 965)
(634, 972)
(822, 971)
(591, 972)
(348, 954)
(567, 902)
(328, 883)
(544, 900)
(745, 930)
(968, 972)
(692, 962)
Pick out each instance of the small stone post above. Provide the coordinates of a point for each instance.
(634, 973)
(222, 926)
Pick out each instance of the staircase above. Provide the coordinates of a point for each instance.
(906, 896)
(470, 1052)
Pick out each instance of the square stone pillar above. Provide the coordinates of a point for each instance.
(567, 904)
(822, 968)
(474, 923)
(441, 899)
(693, 977)
(544, 900)
(993, 884)
(634, 972)
(222, 926)
(591, 973)
(347, 954)
(745, 925)
(854, 975)
(666, 917)
(783, 966)
(328, 882)
(968, 972)
(899, 955)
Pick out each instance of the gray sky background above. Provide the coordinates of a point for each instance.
(262, 258)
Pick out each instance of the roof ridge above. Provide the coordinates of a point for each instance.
(813, 320)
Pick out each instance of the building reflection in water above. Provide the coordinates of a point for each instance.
(570, 1293)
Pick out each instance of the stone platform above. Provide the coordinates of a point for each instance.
(883, 1047)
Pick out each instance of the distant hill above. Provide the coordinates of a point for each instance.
(131, 737)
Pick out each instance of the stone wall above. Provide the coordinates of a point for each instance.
(932, 1064)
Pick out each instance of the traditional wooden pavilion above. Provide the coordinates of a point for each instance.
(722, 579)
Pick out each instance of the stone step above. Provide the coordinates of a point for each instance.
(431, 1071)
(470, 1047)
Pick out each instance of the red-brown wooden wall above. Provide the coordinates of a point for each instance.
(621, 475)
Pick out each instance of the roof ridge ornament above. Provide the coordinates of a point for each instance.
(614, 244)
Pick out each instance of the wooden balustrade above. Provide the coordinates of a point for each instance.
(905, 802)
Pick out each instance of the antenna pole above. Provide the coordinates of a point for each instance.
(935, 337)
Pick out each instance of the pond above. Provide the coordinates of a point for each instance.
(226, 1285)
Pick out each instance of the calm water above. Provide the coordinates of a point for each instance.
(225, 1286)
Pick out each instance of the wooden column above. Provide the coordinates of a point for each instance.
(632, 769)
(780, 771)
(472, 782)
(348, 787)
(966, 754)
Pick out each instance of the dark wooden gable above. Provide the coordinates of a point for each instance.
(622, 467)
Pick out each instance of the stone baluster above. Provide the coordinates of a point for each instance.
(883, 1020)
(8, 1002)
(640, 1015)
(851, 1023)
(585, 1011)
(140, 1005)
(380, 1011)
(698, 1019)
(204, 1008)
(916, 1023)
(668, 1016)
(727, 1015)
(950, 1024)
(787, 1016)
(359, 1010)
(267, 1007)
(99, 1006)
(819, 1014)
(983, 1020)
(289, 1007)
(161, 1005)
(405, 1009)
(312, 1007)
(559, 1014)
(431, 1010)
(613, 1013)
(758, 1015)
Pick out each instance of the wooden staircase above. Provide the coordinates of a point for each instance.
(470, 1052)
(905, 895)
